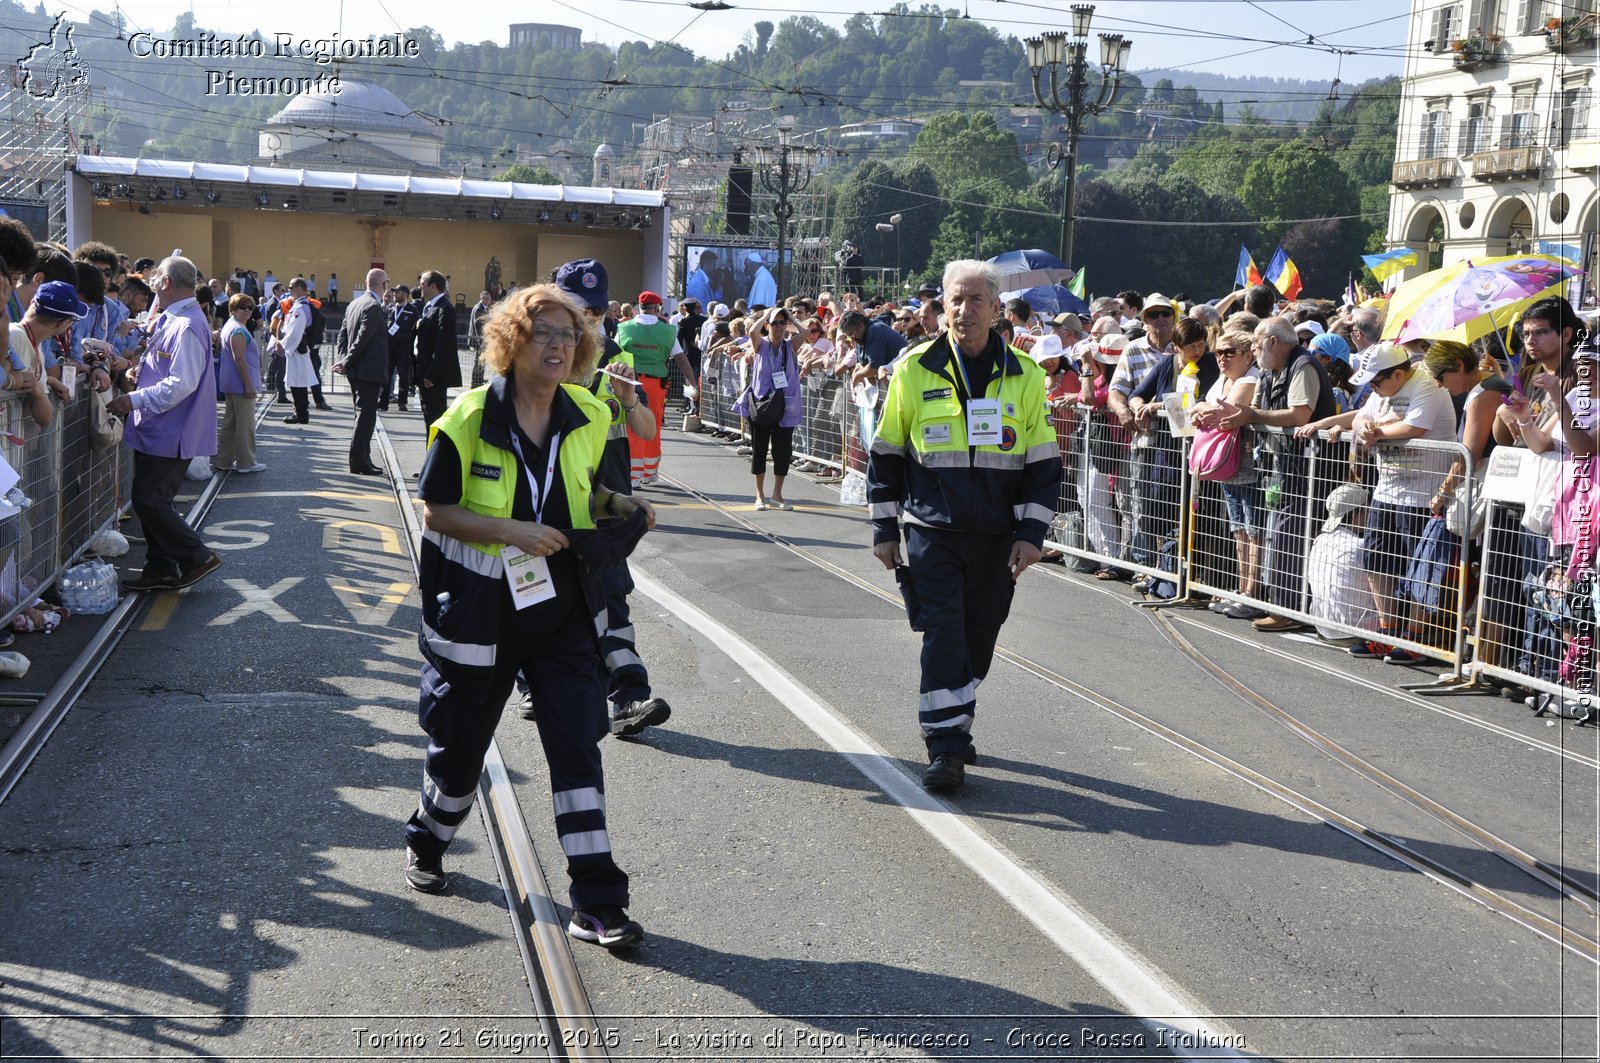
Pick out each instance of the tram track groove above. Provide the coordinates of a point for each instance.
(1463, 884)
(560, 1001)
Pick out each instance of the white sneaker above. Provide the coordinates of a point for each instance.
(257, 467)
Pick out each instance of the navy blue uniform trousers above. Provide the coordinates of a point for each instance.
(460, 718)
(964, 592)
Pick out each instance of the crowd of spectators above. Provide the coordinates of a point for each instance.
(1323, 409)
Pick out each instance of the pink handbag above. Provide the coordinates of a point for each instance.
(1215, 454)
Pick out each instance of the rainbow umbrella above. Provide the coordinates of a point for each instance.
(1472, 298)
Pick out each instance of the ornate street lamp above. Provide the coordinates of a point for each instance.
(783, 178)
(1051, 51)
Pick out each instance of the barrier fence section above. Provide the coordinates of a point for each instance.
(1129, 504)
(1506, 609)
(68, 492)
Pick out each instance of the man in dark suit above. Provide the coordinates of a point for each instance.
(402, 340)
(364, 361)
(438, 355)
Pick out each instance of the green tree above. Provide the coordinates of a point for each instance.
(1296, 181)
(985, 217)
(965, 148)
(533, 175)
(876, 192)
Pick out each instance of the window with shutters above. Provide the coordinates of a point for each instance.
(1531, 15)
(1446, 26)
(1519, 129)
(1435, 131)
(1571, 120)
(1475, 130)
(1483, 18)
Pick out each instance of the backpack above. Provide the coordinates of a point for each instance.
(316, 330)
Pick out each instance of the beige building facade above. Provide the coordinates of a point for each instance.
(1498, 151)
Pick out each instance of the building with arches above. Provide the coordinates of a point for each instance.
(1497, 150)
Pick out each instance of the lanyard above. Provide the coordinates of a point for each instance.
(961, 371)
(540, 497)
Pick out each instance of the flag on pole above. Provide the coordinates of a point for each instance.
(1075, 286)
(1389, 263)
(1283, 274)
(1247, 274)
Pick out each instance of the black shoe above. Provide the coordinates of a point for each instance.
(525, 707)
(635, 716)
(404, 408)
(945, 774)
(425, 874)
(283, 398)
(608, 926)
(324, 406)
(199, 572)
(969, 756)
(294, 419)
(371, 470)
(383, 407)
(148, 581)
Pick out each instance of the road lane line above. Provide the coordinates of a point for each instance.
(1138, 985)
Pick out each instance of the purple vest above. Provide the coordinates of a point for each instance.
(189, 429)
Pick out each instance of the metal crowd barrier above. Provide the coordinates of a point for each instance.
(68, 493)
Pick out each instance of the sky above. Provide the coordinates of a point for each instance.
(1243, 37)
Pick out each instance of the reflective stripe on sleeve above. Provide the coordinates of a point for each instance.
(883, 446)
(885, 510)
(1034, 511)
(1041, 451)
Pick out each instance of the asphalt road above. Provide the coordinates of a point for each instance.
(213, 834)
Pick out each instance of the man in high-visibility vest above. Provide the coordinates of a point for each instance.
(966, 454)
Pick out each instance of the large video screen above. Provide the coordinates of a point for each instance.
(33, 213)
(717, 273)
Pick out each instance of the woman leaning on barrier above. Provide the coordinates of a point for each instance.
(1242, 494)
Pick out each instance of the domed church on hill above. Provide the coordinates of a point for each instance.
(361, 127)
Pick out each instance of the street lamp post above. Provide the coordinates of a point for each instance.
(783, 178)
(1052, 50)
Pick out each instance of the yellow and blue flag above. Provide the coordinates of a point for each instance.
(1389, 263)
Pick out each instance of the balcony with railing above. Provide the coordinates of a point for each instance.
(1509, 164)
(1477, 51)
(1574, 34)
(1425, 173)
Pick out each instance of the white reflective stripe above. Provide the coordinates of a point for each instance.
(600, 623)
(460, 652)
(585, 843)
(884, 510)
(942, 459)
(985, 459)
(882, 446)
(583, 799)
(455, 550)
(964, 722)
(912, 518)
(947, 699)
(625, 633)
(617, 660)
(617, 431)
(1041, 451)
(438, 830)
(443, 801)
(1034, 511)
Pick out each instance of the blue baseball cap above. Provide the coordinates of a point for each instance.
(60, 299)
(586, 279)
(1332, 346)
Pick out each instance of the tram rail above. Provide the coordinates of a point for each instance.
(1568, 888)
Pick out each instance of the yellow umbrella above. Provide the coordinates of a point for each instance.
(1471, 298)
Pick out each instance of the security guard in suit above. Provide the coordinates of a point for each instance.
(965, 453)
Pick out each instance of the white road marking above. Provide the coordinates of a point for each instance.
(236, 534)
(258, 600)
(1137, 985)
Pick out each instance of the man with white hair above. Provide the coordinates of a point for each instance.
(364, 361)
(967, 453)
(170, 409)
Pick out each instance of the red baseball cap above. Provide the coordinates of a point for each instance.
(645, 298)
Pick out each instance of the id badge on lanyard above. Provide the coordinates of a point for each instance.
(983, 415)
(529, 574)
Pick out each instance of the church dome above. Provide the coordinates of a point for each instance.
(358, 106)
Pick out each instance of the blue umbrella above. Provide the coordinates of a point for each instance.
(1049, 300)
(1029, 267)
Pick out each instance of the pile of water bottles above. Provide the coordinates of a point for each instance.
(90, 588)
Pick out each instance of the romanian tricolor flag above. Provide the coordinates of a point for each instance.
(1389, 263)
(1283, 274)
(1247, 274)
